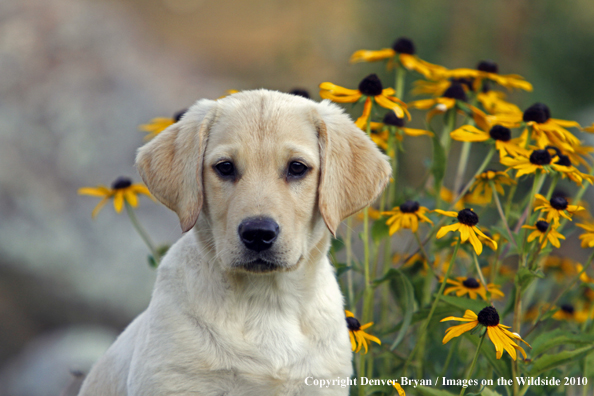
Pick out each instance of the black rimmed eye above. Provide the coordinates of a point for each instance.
(225, 169)
(296, 169)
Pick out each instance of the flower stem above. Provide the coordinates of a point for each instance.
(142, 232)
(480, 275)
(474, 359)
(399, 83)
(433, 306)
(501, 214)
(478, 172)
(349, 259)
(462, 162)
(367, 313)
(565, 289)
(552, 186)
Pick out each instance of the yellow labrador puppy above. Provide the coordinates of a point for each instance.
(247, 303)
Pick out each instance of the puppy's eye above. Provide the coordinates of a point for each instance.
(225, 169)
(296, 169)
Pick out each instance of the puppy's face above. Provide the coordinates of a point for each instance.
(260, 175)
(269, 171)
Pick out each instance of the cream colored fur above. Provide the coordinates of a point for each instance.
(212, 327)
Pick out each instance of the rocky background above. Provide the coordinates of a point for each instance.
(78, 76)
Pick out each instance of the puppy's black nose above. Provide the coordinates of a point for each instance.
(258, 234)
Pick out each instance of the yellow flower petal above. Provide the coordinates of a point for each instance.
(445, 229)
(98, 207)
(118, 201)
(458, 330)
(372, 56)
(99, 191)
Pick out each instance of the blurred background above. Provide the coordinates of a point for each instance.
(77, 77)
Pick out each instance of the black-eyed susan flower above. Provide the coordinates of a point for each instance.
(357, 334)
(371, 88)
(467, 285)
(398, 389)
(489, 70)
(545, 232)
(502, 338)
(494, 103)
(437, 88)
(569, 313)
(483, 182)
(555, 208)
(466, 226)
(121, 190)
(300, 92)
(446, 102)
(588, 236)
(498, 134)
(546, 131)
(562, 267)
(404, 51)
(566, 168)
(159, 124)
(531, 162)
(408, 215)
(395, 126)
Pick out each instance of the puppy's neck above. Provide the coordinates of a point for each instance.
(274, 289)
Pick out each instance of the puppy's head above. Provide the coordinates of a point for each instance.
(267, 172)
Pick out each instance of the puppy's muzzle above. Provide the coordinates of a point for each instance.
(258, 234)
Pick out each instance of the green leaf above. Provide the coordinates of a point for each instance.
(375, 390)
(379, 230)
(559, 337)
(501, 366)
(547, 362)
(439, 163)
(489, 392)
(430, 391)
(162, 249)
(341, 268)
(337, 244)
(465, 303)
(524, 277)
(404, 294)
(152, 262)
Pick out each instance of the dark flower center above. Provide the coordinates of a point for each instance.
(177, 116)
(120, 183)
(559, 203)
(488, 66)
(456, 91)
(488, 316)
(540, 157)
(564, 160)
(371, 85)
(568, 308)
(404, 45)
(409, 207)
(300, 92)
(465, 81)
(542, 226)
(538, 112)
(468, 217)
(392, 119)
(471, 283)
(353, 324)
(559, 193)
(499, 132)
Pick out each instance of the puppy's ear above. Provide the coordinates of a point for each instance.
(353, 170)
(171, 163)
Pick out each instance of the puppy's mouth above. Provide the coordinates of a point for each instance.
(259, 265)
